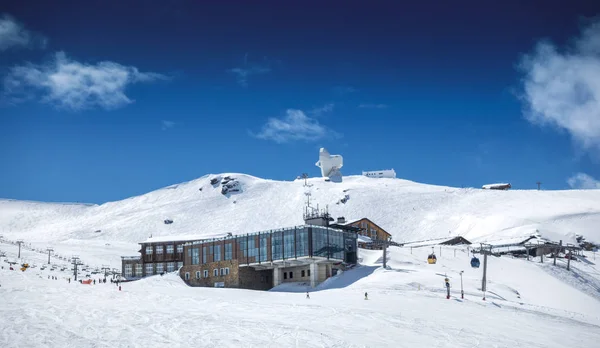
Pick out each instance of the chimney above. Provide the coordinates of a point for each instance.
(341, 220)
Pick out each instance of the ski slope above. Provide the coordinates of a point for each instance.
(525, 307)
(409, 211)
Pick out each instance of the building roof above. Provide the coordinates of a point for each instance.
(181, 238)
(357, 220)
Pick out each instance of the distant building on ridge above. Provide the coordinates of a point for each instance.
(388, 173)
(500, 186)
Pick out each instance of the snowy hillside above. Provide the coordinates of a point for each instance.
(525, 307)
(409, 211)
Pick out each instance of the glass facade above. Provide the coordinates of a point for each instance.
(228, 251)
(284, 244)
(277, 245)
(217, 256)
(289, 244)
(302, 242)
(195, 256)
(264, 242)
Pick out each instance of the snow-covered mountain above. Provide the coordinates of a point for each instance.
(528, 303)
(410, 211)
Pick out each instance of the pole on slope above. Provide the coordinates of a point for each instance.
(462, 293)
(20, 241)
(569, 261)
(75, 261)
(384, 256)
(484, 279)
(49, 251)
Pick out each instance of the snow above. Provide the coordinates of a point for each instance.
(528, 303)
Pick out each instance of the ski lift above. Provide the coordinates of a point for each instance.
(475, 262)
(431, 259)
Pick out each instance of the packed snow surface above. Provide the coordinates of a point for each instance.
(525, 306)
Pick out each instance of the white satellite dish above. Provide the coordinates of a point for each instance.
(330, 165)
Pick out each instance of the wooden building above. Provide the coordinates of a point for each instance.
(368, 228)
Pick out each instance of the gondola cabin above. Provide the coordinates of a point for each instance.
(475, 262)
(431, 259)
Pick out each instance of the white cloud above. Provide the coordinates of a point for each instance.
(13, 34)
(295, 125)
(373, 106)
(72, 85)
(167, 124)
(583, 181)
(562, 87)
(323, 109)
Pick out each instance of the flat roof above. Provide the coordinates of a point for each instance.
(181, 238)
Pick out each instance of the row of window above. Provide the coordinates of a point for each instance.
(151, 268)
(291, 274)
(284, 245)
(160, 249)
(216, 272)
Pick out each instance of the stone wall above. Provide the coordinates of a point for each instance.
(231, 280)
(238, 277)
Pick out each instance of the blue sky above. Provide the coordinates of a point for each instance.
(103, 101)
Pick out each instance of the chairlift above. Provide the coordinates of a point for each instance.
(475, 262)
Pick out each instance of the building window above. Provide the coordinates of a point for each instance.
(195, 256)
(170, 249)
(187, 275)
(284, 275)
(180, 249)
(291, 275)
(225, 271)
(179, 264)
(148, 250)
(204, 255)
(128, 270)
(217, 256)
(149, 269)
(303, 273)
(170, 266)
(308, 273)
(197, 274)
(159, 249)
(277, 242)
(252, 247)
(288, 244)
(302, 242)
(139, 270)
(159, 268)
(205, 273)
(228, 251)
(216, 272)
(264, 238)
